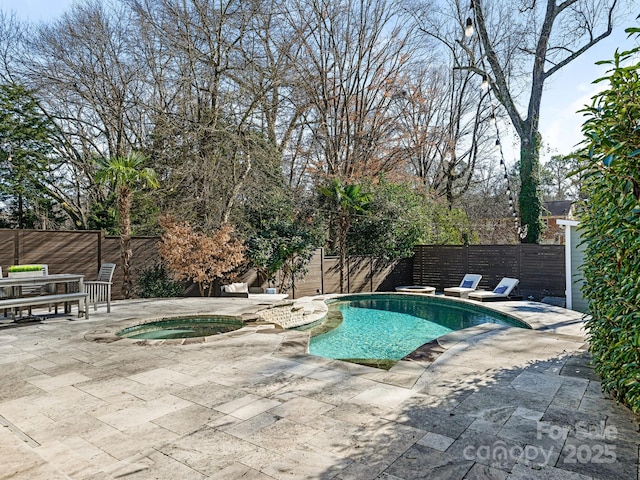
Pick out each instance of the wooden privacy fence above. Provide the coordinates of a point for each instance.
(74, 251)
(362, 274)
(540, 268)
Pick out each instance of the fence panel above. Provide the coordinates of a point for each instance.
(439, 266)
(331, 274)
(63, 252)
(540, 268)
(8, 254)
(145, 255)
(494, 262)
(311, 284)
(359, 276)
(387, 276)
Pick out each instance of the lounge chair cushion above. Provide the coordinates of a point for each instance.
(467, 284)
(240, 287)
(500, 289)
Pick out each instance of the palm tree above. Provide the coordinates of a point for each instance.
(347, 200)
(125, 175)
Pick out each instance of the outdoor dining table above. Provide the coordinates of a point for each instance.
(13, 288)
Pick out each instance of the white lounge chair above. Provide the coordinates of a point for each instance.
(238, 289)
(468, 284)
(502, 291)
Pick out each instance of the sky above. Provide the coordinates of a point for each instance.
(566, 92)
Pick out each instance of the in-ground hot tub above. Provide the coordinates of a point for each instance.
(416, 289)
(181, 327)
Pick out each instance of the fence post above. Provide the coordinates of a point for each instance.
(16, 247)
(466, 258)
(370, 274)
(100, 234)
(322, 270)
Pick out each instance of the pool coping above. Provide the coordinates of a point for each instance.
(535, 314)
(109, 334)
(539, 316)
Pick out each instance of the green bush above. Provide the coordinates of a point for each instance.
(155, 282)
(610, 223)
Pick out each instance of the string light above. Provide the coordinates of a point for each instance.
(484, 86)
(468, 29)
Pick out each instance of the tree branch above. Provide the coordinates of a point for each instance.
(500, 85)
(586, 47)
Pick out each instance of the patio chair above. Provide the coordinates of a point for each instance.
(100, 290)
(501, 292)
(468, 284)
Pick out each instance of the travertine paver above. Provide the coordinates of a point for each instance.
(486, 403)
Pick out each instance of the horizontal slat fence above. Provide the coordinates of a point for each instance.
(540, 268)
(80, 252)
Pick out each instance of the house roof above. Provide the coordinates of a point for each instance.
(557, 208)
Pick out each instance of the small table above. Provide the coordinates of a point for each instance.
(417, 289)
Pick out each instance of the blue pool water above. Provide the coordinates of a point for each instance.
(392, 326)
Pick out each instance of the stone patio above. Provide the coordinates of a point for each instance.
(486, 403)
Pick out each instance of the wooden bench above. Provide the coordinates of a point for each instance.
(66, 298)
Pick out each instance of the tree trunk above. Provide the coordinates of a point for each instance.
(125, 240)
(529, 199)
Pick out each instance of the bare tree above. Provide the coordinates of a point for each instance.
(212, 78)
(519, 46)
(350, 57)
(561, 178)
(81, 70)
(444, 129)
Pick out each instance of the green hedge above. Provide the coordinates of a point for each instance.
(25, 268)
(610, 223)
(155, 282)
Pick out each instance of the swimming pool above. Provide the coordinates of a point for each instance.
(390, 326)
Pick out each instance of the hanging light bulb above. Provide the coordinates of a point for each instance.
(514, 214)
(492, 119)
(501, 161)
(506, 176)
(508, 190)
(468, 29)
(511, 201)
(485, 83)
(496, 147)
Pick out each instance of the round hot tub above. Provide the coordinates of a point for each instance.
(181, 327)
(416, 289)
